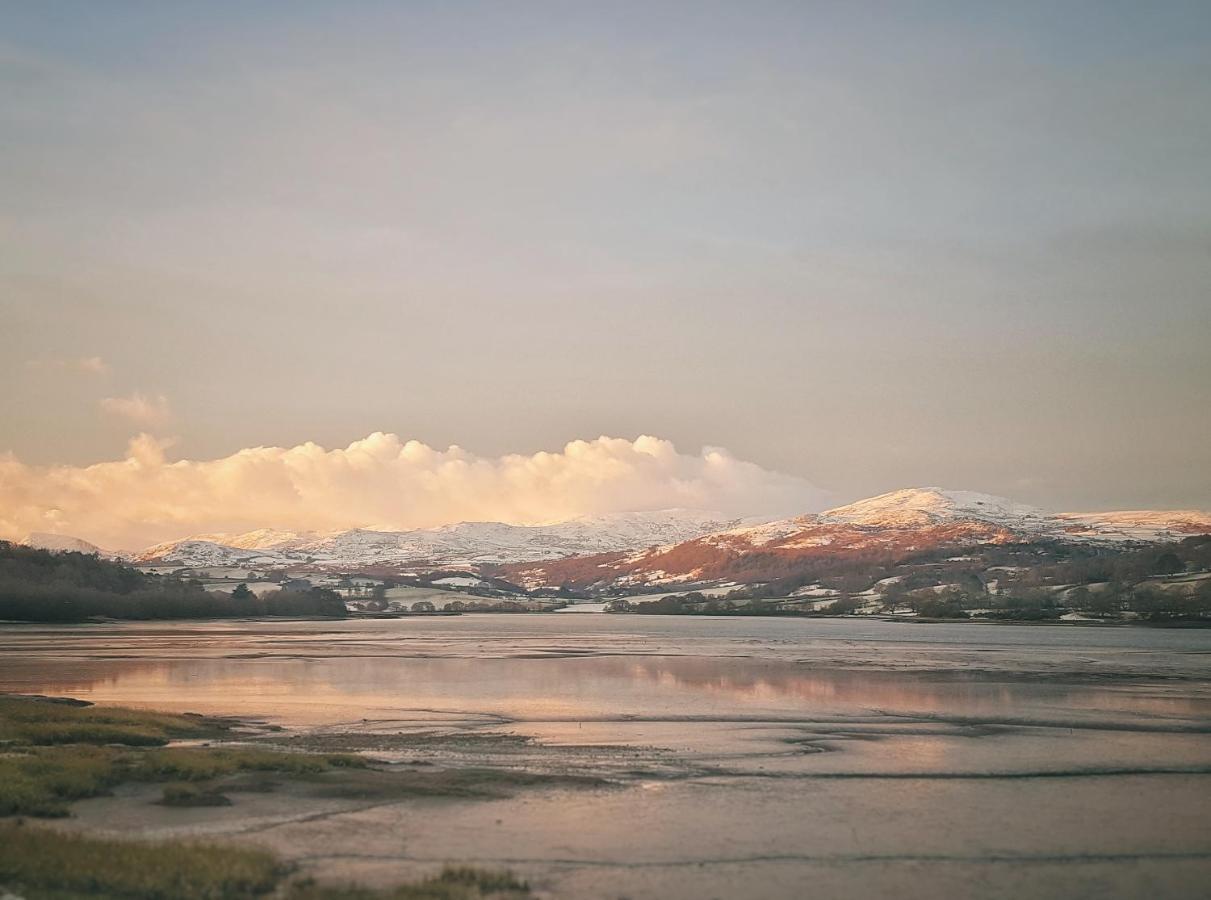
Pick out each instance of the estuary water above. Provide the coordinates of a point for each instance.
(747, 757)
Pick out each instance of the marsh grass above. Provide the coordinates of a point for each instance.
(44, 721)
(202, 763)
(41, 781)
(455, 883)
(41, 777)
(53, 753)
(38, 864)
(191, 795)
(42, 865)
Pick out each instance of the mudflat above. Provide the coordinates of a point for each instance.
(619, 756)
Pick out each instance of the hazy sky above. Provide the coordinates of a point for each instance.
(867, 245)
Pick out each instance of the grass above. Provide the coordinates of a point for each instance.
(42, 865)
(52, 753)
(37, 865)
(458, 883)
(190, 795)
(202, 763)
(42, 781)
(44, 721)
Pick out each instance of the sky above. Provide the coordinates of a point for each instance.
(861, 246)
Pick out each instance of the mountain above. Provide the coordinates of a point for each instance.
(925, 506)
(41, 540)
(895, 524)
(462, 544)
(261, 539)
(1136, 525)
(680, 546)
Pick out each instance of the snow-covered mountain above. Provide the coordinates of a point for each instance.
(674, 544)
(61, 542)
(1136, 525)
(925, 506)
(462, 544)
(899, 522)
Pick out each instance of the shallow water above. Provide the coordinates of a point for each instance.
(758, 756)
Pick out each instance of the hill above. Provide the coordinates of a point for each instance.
(889, 527)
(459, 545)
(41, 540)
(69, 586)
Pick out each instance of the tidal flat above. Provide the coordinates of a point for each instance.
(602, 756)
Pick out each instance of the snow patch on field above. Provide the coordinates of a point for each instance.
(460, 581)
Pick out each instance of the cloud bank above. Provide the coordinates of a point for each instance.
(379, 482)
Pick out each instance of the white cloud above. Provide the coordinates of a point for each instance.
(380, 481)
(142, 409)
(85, 365)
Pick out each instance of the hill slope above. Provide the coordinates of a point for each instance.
(892, 525)
(462, 544)
(41, 540)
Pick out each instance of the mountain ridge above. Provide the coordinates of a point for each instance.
(461, 543)
(898, 522)
(898, 517)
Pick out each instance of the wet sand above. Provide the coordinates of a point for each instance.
(744, 758)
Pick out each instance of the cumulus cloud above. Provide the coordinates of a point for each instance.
(142, 409)
(85, 365)
(380, 482)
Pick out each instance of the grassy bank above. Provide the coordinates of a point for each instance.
(38, 864)
(54, 752)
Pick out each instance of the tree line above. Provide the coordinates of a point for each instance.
(45, 586)
(1028, 582)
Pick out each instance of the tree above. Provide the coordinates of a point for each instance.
(378, 598)
(1200, 600)
(311, 602)
(1079, 598)
(1168, 563)
(1152, 603)
(242, 593)
(844, 605)
(1107, 601)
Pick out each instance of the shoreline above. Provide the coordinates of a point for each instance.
(97, 798)
(922, 620)
(750, 753)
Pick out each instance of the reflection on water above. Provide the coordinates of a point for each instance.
(865, 759)
(519, 668)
